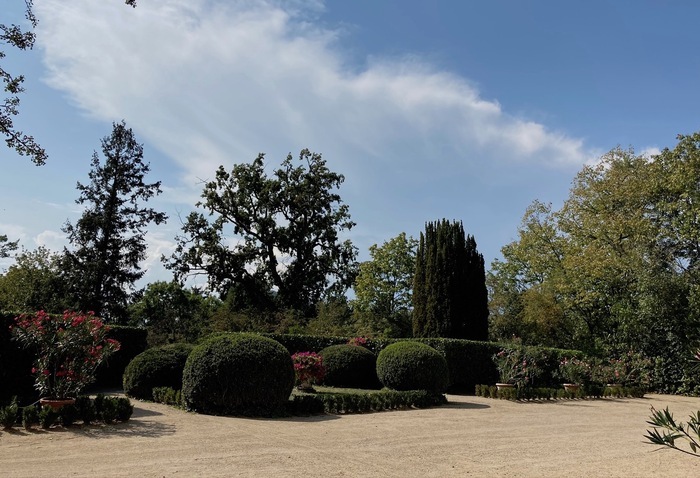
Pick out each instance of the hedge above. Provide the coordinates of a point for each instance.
(468, 361)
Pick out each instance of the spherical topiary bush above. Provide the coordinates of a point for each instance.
(156, 367)
(240, 374)
(412, 366)
(350, 366)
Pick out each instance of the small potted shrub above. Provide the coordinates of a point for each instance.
(516, 367)
(308, 370)
(574, 372)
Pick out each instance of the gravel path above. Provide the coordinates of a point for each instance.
(470, 436)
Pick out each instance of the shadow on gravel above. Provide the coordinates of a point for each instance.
(465, 406)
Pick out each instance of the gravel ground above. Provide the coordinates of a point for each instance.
(470, 436)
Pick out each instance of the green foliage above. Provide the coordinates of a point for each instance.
(156, 367)
(588, 391)
(449, 293)
(350, 366)
(334, 316)
(615, 269)
(6, 247)
(30, 416)
(672, 431)
(343, 402)
(383, 288)
(87, 411)
(168, 396)
(124, 409)
(68, 415)
(34, 283)
(292, 218)
(23, 144)
(133, 342)
(47, 417)
(108, 241)
(172, 313)
(15, 365)
(412, 366)
(240, 374)
(9, 414)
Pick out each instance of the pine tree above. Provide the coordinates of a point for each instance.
(108, 241)
(449, 291)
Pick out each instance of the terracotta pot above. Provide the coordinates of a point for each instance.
(56, 403)
(571, 387)
(503, 386)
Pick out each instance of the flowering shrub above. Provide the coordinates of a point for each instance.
(70, 347)
(360, 341)
(631, 369)
(575, 370)
(516, 366)
(308, 368)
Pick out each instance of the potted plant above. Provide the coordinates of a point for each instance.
(574, 372)
(69, 349)
(516, 367)
(308, 370)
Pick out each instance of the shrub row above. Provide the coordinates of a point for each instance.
(86, 410)
(340, 403)
(168, 396)
(468, 362)
(547, 393)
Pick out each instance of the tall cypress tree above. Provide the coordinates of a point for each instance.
(449, 292)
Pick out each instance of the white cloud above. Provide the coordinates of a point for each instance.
(212, 83)
(52, 240)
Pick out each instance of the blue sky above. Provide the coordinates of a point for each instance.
(431, 109)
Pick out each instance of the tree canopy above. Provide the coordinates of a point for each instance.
(616, 267)
(108, 241)
(272, 241)
(384, 286)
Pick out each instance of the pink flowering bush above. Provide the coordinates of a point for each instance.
(69, 349)
(308, 368)
(516, 366)
(574, 370)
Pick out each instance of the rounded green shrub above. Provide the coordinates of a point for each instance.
(412, 366)
(156, 367)
(350, 366)
(239, 374)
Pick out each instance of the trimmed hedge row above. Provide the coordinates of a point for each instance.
(469, 362)
(547, 393)
(341, 403)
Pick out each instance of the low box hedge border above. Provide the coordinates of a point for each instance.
(591, 391)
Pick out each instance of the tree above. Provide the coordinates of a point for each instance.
(449, 292)
(172, 313)
(273, 241)
(613, 269)
(108, 241)
(384, 286)
(15, 36)
(34, 283)
(6, 247)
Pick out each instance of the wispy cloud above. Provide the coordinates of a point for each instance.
(209, 83)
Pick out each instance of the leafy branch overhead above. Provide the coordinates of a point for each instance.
(23, 39)
(270, 241)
